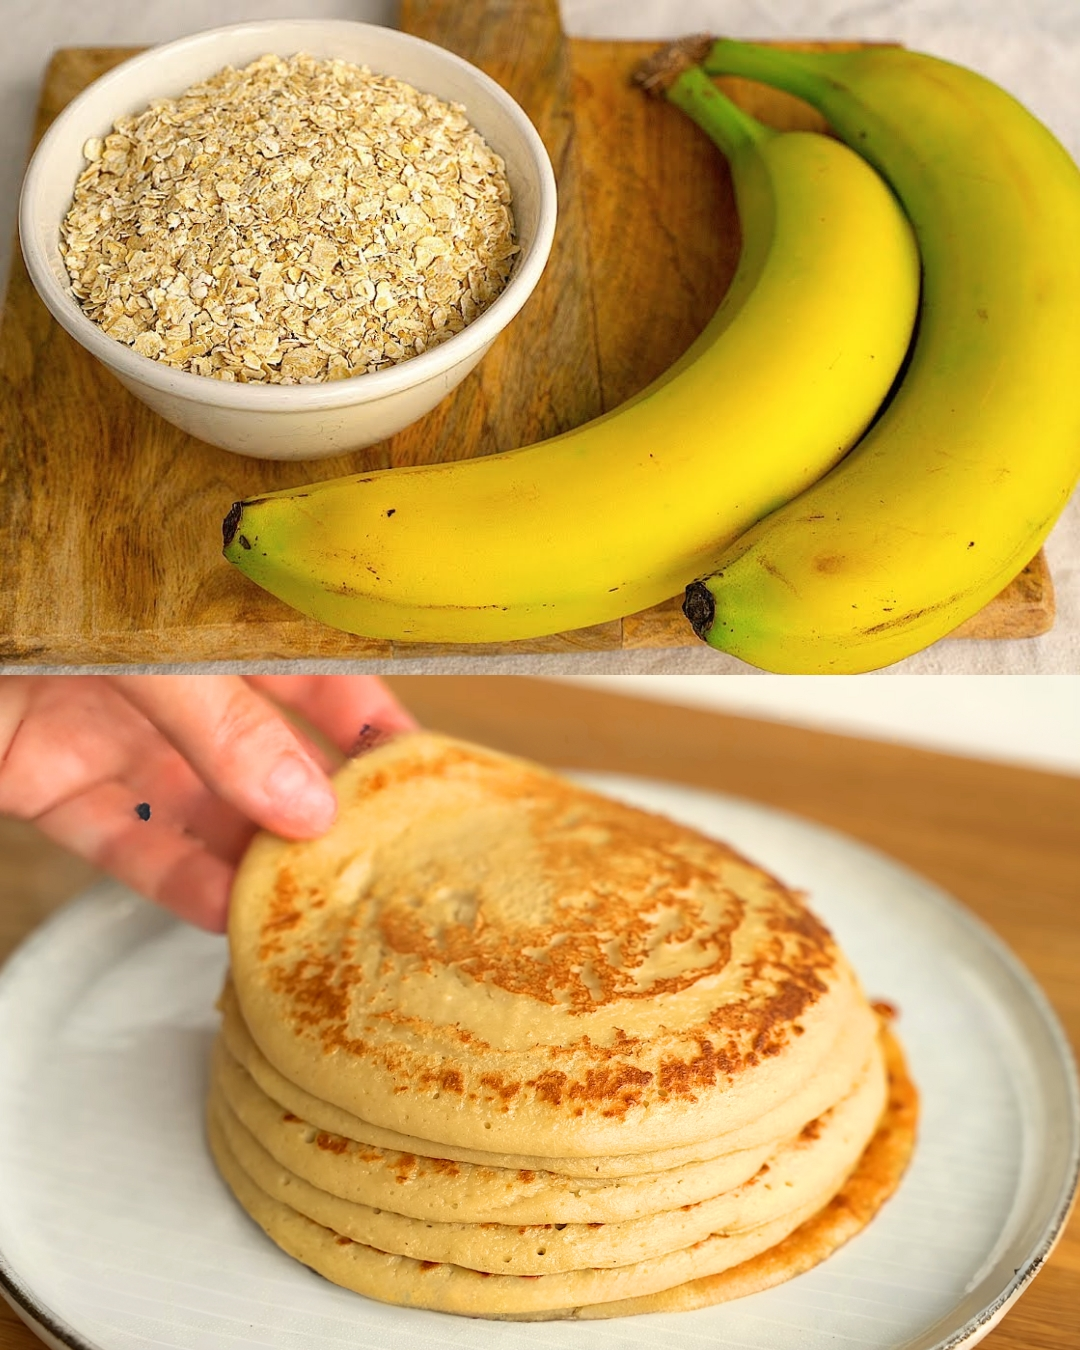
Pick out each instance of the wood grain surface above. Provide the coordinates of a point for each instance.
(1005, 841)
(110, 519)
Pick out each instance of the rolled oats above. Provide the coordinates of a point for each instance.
(296, 221)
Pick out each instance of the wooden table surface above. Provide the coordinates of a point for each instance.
(1004, 840)
(647, 227)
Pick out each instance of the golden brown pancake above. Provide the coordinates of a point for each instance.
(501, 1046)
(445, 1190)
(804, 1171)
(846, 1060)
(849, 1211)
(718, 1268)
(485, 956)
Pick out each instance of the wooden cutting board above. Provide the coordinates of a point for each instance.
(110, 519)
(1004, 840)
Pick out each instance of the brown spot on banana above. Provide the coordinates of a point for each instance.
(699, 606)
(231, 523)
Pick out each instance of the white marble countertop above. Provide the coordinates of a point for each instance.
(1031, 47)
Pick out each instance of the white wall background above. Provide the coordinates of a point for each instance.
(1033, 721)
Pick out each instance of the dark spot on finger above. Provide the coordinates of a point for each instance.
(143, 810)
(370, 736)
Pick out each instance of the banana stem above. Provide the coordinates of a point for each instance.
(726, 125)
(805, 74)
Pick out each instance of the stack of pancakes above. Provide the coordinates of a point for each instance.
(497, 1045)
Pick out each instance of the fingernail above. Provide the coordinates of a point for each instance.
(301, 796)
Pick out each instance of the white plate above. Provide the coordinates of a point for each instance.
(116, 1232)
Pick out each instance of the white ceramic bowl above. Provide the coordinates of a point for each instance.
(289, 421)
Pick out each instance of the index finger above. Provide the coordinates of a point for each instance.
(240, 745)
(338, 706)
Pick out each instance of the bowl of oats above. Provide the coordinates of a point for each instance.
(290, 238)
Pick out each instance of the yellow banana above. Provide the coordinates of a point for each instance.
(626, 510)
(953, 489)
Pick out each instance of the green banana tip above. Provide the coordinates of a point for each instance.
(699, 606)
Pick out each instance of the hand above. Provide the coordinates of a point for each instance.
(212, 756)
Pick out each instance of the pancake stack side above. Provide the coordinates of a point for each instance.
(500, 1046)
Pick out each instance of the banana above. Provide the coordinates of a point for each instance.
(955, 486)
(626, 510)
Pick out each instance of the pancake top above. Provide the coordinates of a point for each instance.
(482, 953)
